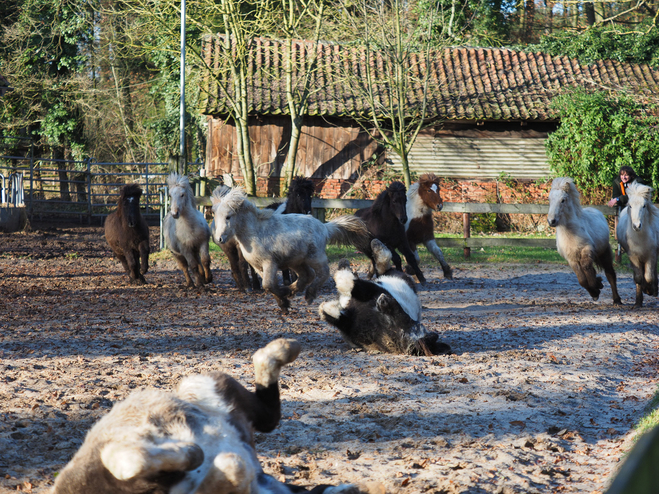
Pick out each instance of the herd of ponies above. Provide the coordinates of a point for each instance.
(199, 439)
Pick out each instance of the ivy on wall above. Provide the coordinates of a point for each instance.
(599, 134)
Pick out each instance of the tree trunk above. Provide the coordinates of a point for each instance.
(58, 154)
(294, 142)
(589, 8)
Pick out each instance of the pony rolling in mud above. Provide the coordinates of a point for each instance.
(127, 234)
(384, 315)
(186, 232)
(196, 440)
(422, 200)
(385, 220)
(638, 233)
(243, 274)
(582, 237)
(271, 242)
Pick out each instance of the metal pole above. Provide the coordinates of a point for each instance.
(89, 191)
(182, 158)
(31, 178)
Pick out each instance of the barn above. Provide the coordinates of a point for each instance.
(489, 108)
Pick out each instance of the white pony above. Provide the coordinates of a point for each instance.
(186, 232)
(582, 237)
(638, 233)
(270, 242)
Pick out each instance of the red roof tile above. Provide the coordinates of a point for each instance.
(466, 83)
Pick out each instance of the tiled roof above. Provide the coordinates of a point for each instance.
(466, 83)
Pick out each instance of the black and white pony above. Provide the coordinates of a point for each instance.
(198, 439)
(382, 315)
(298, 201)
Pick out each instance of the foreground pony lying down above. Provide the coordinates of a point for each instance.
(198, 439)
(382, 315)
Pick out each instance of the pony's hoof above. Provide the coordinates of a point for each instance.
(448, 274)
(617, 301)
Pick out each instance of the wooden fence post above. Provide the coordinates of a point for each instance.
(466, 223)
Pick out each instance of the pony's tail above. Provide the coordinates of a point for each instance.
(348, 230)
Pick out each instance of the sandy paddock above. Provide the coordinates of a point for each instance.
(540, 396)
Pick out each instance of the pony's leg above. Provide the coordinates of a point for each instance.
(434, 249)
(607, 263)
(205, 256)
(304, 276)
(322, 274)
(395, 258)
(651, 277)
(183, 266)
(261, 407)
(256, 283)
(133, 263)
(236, 265)
(586, 274)
(144, 256)
(270, 284)
(411, 260)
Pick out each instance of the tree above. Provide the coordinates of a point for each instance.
(300, 69)
(397, 74)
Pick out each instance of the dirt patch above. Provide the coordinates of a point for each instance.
(539, 397)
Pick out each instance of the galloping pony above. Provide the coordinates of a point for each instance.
(638, 234)
(127, 233)
(386, 220)
(384, 315)
(422, 200)
(582, 237)
(197, 439)
(271, 242)
(186, 232)
(298, 201)
(243, 274)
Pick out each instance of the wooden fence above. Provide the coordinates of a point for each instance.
(320, 206)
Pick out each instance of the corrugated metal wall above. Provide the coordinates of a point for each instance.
(468, 157)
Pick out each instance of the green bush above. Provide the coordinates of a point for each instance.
(599, 134)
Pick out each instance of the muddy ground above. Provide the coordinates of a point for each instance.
(540, 396)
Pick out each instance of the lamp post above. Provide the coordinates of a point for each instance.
(182, 160)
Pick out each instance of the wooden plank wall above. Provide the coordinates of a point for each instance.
(326, 150)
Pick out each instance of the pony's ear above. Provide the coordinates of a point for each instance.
(566, 184)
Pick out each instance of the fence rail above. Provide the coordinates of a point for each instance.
(466, 208)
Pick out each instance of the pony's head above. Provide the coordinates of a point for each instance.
(563, 200)
(129, 203)
(394, 199)
(180, 194)
(225, 208)
(299, 196)
(639, 204)
(429, 191)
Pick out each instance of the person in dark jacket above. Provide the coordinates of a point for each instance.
(626, 177)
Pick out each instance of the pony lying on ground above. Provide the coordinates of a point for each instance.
(271, 242)
(582, 237)
(243, 274)
(422, 200)
(186, 232)
(127, 233)
(196, 440)
(385, 220)
(384, 315)
(638, 234)
(298, 201)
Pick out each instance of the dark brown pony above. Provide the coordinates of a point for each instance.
(127, 234)
(386, 220)
(422, 200)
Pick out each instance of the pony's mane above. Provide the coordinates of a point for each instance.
(236, 200)
(131, 190)
(413, 190)
(302, 184)
(395, 187)
(566, 184)
(176, 180)
(219, 193)
(644, 191)
(428, 178)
